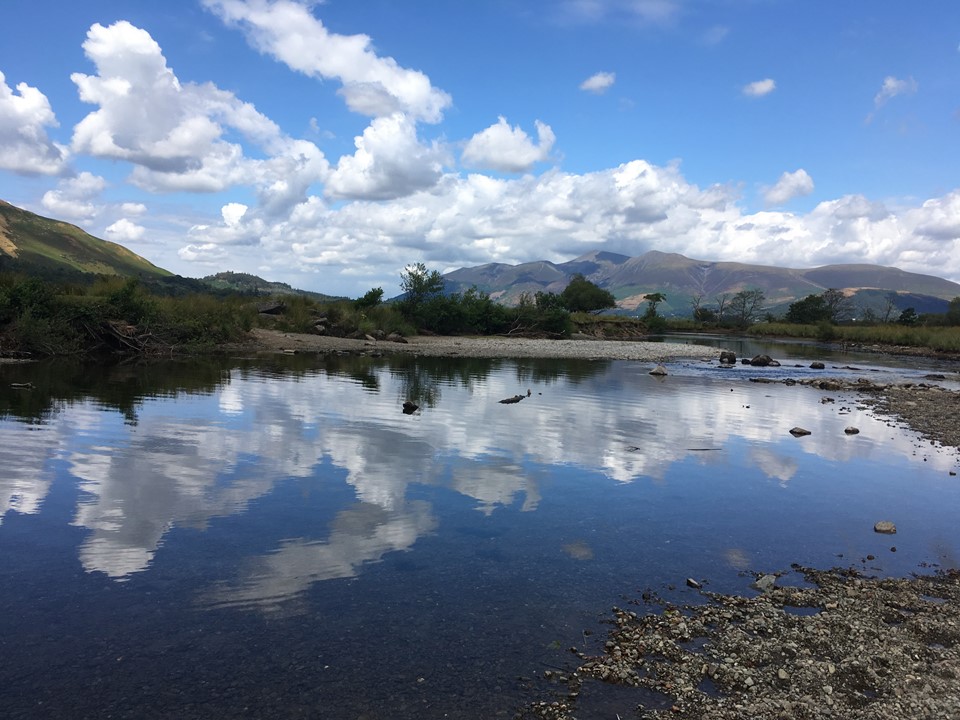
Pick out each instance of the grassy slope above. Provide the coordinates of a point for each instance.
(51, 244)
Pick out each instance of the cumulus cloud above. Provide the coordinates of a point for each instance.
(173, 132)
(124, 231)
(390, 162)
(760, 88)
(73, 197)
(370, 84)
(599, 83)
(790, 185)
(25, 147)
(508, 149)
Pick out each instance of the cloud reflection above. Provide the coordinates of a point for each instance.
(191, 459)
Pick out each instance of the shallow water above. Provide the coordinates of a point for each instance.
(277, 539)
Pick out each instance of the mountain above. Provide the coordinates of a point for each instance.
(31, 242)
(681, 279)
(255, 285)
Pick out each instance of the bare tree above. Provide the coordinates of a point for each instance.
(839, 306)
(722, 301)
(889, 307)
(745, 306)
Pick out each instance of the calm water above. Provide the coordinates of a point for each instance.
(277, 539)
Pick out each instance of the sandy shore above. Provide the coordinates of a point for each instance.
(492, 347)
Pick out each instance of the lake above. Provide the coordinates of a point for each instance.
(276, 538)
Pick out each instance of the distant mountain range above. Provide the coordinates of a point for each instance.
(681, 279)
(31, 243)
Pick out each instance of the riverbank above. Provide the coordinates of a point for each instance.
(490, 347)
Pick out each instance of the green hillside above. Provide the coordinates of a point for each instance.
(36, 242)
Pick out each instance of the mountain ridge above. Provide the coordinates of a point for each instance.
(683, 279)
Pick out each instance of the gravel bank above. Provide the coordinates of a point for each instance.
(490, 347)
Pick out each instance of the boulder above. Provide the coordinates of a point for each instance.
(817, 365)
(851, 430)
(799, 432)
(409, 408)
(765, 583)
(885, 527)
(397, 338)
(659, 370)
(728, 357)
(761, 360)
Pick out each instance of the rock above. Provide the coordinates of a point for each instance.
(693, 583)
(851, 430)
(659, 370)
(397, 338)
(799, 432)
(511, 400)
(369, 338)
(409, 408)
(745, 361)
(728, 357)
(765, 582)
(761, 360)
(817, 366)
(886, 527)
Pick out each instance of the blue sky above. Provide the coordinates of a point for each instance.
(331, 144)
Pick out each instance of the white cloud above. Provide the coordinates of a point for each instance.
(760, 88)
(73, 196)
(132, 208)
(390, 162)
(24, 145)
(233, 213)
(508, 149)
(124, 231)
(174, 132)
(789, 186)
(371, 85)
(892, 87)
(599, 82)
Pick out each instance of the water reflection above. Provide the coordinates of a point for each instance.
(209, 449)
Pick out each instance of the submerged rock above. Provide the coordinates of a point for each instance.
(410, 408)
(659, 370)
(885, 527)
(799, 432)
(851, 430)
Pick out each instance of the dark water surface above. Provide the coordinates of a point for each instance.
(276, 539)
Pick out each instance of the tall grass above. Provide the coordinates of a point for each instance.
(940, 339)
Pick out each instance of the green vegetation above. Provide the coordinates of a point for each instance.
(938, 338)
(113, 315)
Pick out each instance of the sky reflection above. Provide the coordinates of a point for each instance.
(193, 458)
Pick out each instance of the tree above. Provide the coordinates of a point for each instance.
(745, 306)
(839, 306)
(581, 295)
(722, 302)
(812, 309)
(889, 306)
(653, 299)
(370, 300)
(908, 317)
(953, 312)
(419, 284)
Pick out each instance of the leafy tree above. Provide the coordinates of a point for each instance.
(953, 312)
(371, 299)
(548, 301)
(812, 309)
(908, 317)
(419, 285)
(653, 299)
(745, 306)
(581, 295)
